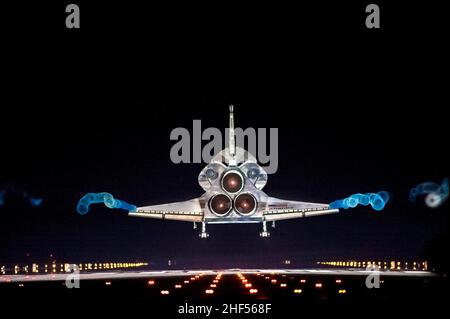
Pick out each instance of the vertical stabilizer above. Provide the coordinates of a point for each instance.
(231, 140)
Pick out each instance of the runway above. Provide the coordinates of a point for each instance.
(182, 273)
(284, 291)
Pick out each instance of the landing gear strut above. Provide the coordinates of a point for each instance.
(264, 233)
(203, 234)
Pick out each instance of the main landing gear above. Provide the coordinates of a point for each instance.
(203, 233)
(265, 233)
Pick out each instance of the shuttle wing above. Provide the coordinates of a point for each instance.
(189, 211)
(280, 209)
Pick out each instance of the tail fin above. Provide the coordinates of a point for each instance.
(231, 140)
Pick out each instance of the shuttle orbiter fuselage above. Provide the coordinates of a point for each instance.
(233, 183)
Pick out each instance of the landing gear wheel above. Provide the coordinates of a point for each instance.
(264, 233)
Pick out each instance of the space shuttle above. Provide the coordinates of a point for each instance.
(233, 183)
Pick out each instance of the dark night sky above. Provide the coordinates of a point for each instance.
(92, 110)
